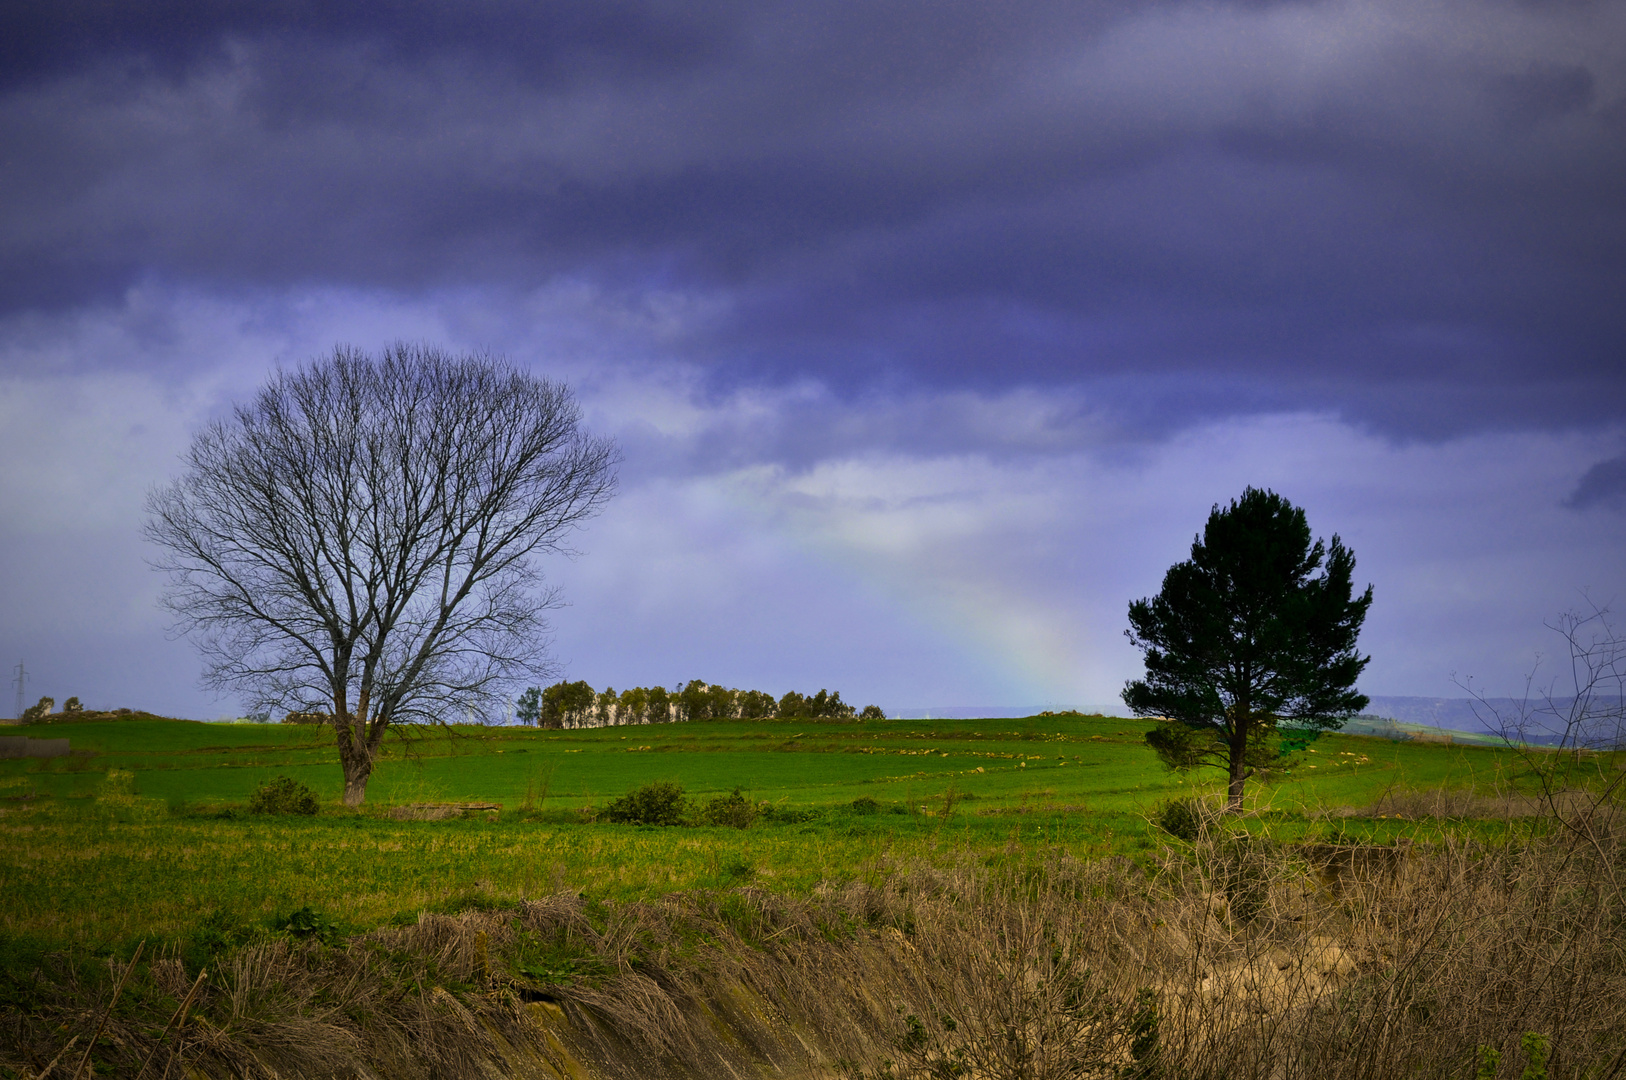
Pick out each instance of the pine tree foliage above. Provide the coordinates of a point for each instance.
(1256, 629)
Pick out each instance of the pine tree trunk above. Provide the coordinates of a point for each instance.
(1239, 768)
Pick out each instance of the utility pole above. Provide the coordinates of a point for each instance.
(21, 680)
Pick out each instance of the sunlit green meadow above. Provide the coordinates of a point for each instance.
(92, 860)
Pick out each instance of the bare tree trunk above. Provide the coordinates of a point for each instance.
(355, 781)
(355, 758)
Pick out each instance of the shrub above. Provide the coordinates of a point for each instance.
(733, 809)
(305, 718)
(866, 805)
(284, 795)
(72, 706)
(872, 712)
(788, 815)
(1183, 819)
(660, 803)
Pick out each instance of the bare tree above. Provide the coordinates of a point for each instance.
(362, 536)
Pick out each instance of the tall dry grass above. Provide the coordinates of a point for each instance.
(1231, 957)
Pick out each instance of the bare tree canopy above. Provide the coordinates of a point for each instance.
(362, 536)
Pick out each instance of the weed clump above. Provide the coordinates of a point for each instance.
(284, 795)
(736, 870)
(308, 924)
(118, 787)
(660, 803)
(866, 805)
(218, 933)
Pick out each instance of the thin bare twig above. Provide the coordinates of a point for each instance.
(52, 1063)
(186, 1003)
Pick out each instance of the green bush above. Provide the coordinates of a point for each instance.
(733, 809)
(284, 795)
(220, 931)
(1182, 819)
(660, 803)
(866, 805)
(789, 815)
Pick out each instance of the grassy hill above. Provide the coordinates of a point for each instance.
(167, 839)
(900, 879)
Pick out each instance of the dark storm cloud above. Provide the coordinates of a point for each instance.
(1410, 213)
(39, 40)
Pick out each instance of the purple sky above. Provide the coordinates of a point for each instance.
(930, 333)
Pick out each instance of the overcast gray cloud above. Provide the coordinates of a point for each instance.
(937, 328)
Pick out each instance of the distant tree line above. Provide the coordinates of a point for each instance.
(40, 711)
(578, 705)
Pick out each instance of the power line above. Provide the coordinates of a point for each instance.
(21, 680)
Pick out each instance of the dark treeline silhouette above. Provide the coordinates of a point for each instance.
(576, 704)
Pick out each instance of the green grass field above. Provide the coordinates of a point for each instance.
(101, 863)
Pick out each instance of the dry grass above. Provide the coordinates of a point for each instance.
(1235, 958)
(1469, 804)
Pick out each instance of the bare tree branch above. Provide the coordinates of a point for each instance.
(1562, 729)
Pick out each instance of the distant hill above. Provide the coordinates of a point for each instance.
(1457, 714)
(1541, 725)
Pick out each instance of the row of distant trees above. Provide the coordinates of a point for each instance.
(577, 705)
